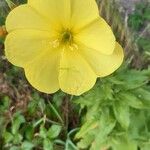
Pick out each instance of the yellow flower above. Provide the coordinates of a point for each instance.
(61, 44)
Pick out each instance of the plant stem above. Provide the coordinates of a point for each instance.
(56, 113)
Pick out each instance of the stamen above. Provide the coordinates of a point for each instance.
(65, 39)
(55, 43)
(71, 48)
(75, 46)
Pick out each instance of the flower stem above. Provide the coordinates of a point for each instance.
(56, 113)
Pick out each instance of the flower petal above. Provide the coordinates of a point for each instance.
(103, 65)
(97, 35)
(42, 72)
(22, 46)
(25, 17)
(57, 11)
(83, 12)
(73, 73)
(64, 10)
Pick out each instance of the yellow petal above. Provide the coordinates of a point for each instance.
(103, 65)
(42, 72)
(75, 76)
(83, 12)
(57, 11)
(21, 46)
(97, 35)
(25, 17)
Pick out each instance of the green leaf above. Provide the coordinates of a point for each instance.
(107, 90)
(43, 131)
(86, 141)
(17, 138)
(42, 104)
(125, 146)
(94, 96)
(32, 107)
(145, 147)
(54, 131)
(131, 100)
(18, 119)
(107, 124)
(29, 132)
(135, 21)
(147, 13)
(14, 148)
(140, 79)
(27, 145)
(70, 145)
(8, 137)
(2, 20)
(139, 124)
(87, 127)
(35, 104)
(144, 94)
(6, 102)
(58, 98)
(47, 144)
(124, 143)
(121, 111)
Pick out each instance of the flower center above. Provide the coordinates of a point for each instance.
(65, 39)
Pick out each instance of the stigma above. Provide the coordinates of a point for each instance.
(65, 40)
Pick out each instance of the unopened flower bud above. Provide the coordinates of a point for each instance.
(3, 31)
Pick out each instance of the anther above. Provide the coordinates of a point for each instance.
(55, 43)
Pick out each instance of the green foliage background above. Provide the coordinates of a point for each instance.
(114, 115)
